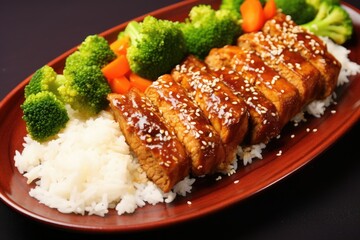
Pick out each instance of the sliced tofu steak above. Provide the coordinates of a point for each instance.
(311, 47)
(193, 129)
(227, 113)
(263, 116)
(191, 120)
(286, 61)
(160, 153)
(250, 66)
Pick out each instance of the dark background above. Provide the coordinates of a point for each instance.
(319, 201)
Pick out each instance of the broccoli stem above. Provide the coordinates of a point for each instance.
(133, 30)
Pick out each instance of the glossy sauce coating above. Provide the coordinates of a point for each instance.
(156, 145)
(264, 118)
(309, 46)
(192, 128)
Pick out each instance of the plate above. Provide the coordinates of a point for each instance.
(208, 194)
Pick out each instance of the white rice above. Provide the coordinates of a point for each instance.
(89, 169)
(348, 68)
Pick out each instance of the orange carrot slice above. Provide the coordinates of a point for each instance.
(270, 9)
(120, 85)
(139, 82)
(116, 68)
(120, 45)
(253, 15)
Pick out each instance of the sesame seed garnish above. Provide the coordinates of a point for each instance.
(279, 153)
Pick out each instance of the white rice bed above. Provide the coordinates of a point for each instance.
(89, 169)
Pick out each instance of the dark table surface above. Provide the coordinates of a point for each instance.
(319, 201)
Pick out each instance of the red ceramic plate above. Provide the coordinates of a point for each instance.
(208, 195)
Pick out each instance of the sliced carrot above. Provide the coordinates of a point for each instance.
(120, 45)
(120, 85)
(116, 68)
(139, 82)
(270, 9)
(253, 15)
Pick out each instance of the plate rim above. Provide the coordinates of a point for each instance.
(110, 33)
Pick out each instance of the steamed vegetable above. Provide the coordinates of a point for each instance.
(44, 79)
(206, 28)
(95, 50)
(299, 10)
(331, 21)
(156, 46)
(44, 114)
(316, 3)
(85, 88)
(234, 5)
(253, 16)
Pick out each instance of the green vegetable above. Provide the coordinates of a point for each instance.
(82, 85)
(206, 28)
(316, 3)
(331, 21)
(85, 88)
(300, 10)
(156, 46)
(234, 5)
(44, 79)
(96, 50)
(44, 115)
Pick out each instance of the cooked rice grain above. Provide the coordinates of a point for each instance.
(87, 169)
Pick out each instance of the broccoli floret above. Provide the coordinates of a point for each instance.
(234, 5)
(331, 21)
(44, 79)
(316, 3)
(85, 88)
(44, 115)
(156, 46)
(207, 28)
(96, 50)
(300, 11)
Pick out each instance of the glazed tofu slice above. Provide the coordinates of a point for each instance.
(160, 154)
(193, 129)
(311, 47)
(227, 113)
(287, 62)
(263, 117)
(249, 65)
